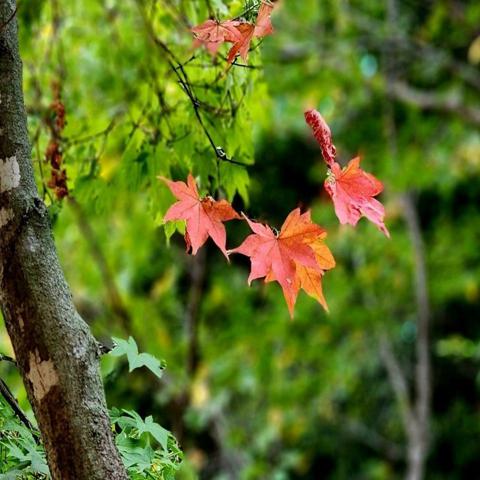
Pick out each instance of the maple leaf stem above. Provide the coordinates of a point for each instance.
(235, 162)
(242, 65)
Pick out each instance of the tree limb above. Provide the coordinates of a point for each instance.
(398, 382)
(423, 375)
(12, 402)
(450, 102)
(178, 69)
(369, 437)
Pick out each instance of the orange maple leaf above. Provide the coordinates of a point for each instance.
(263, 26)
(204, 216)
(242, 46)
(248, 31)
(212, 34)
(296, 257)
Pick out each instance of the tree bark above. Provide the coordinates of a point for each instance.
(56, 353)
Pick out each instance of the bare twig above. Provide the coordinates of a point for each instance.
(366, 435)
(197, 270)
(12, 402)
(416, 47)
(253, 7)
(398, 382)
(6, 358)
(423, 364)
(69, 142)
(450, 102)
(415, 415)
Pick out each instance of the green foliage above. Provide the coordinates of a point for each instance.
(148, 124)
(134, 442)
(137, 360)
(146, 448)
(22, 458)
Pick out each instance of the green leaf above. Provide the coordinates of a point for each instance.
(234, 178)
(38, 462)
(11, 475)
(137, 360)
(157, 432)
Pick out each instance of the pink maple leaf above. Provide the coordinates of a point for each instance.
(248, 31)
(212, 34)
(204, 216)
(353, 191)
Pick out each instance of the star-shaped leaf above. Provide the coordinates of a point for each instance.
(296, 257)
(212, 34)
(204, 216)
(353, 191)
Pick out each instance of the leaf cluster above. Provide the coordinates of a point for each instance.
(146, 448)
(21, 457)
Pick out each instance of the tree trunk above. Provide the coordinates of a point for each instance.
(56, 353)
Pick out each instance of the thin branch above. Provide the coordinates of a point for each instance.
(12, 402)
(197, 269)
(417, 417)
(6, 358)
(242, 65)
(177, 68)
(363, 433)
(69, 142)
(398, 382)
(423, 367)
(449, 102)
(416, 47)
(181, 15)
(248, 10)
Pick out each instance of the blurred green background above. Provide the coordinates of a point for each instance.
(248, 393)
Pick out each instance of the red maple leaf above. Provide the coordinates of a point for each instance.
(248, 31)
(264, 25)
(296, 257)
(242, 46)
(353, 191)
(212, 34)
(204, 216)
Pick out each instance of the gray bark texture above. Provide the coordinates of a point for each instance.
(56, 353)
